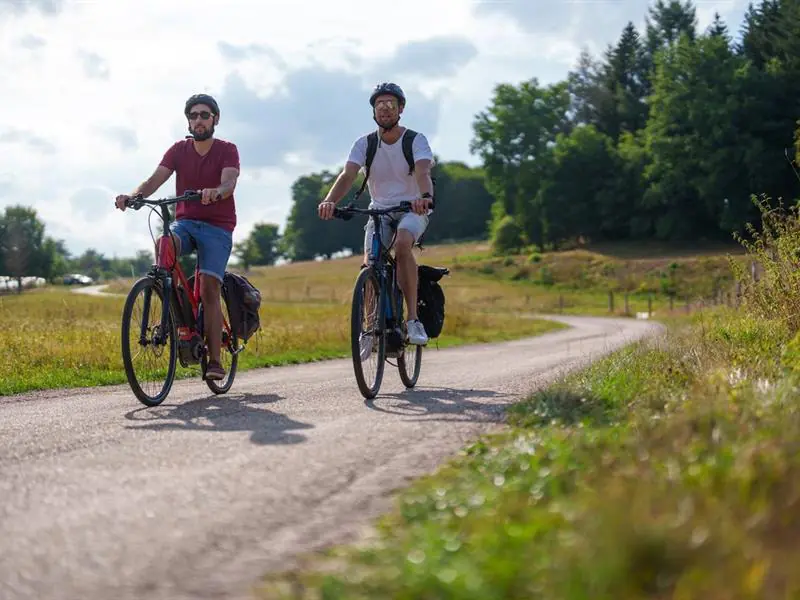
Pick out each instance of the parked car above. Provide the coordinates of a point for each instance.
(77, 279)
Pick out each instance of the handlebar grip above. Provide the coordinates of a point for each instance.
(344, 215)
(134, 202)
(405, 204)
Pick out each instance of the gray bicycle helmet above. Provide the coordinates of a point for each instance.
(388, 88)
(201, 99)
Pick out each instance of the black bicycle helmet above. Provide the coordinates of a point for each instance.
(388, 88)
(201, 99)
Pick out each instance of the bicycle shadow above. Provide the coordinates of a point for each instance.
(229, 412)
(449, 404)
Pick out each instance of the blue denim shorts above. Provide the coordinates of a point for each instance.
(213, 244)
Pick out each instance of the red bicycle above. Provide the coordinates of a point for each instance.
(176, 333)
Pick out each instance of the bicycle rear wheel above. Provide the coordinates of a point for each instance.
(367, 339)
(152, 381)
(228, 360)
(409, 363)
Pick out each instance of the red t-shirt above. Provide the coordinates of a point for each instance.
(195, 172)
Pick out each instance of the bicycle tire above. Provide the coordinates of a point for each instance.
(213, 385)
(410, 381)
(142, 285)
(356, 315)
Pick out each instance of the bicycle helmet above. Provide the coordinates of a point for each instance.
(201, 99)
(388, 88)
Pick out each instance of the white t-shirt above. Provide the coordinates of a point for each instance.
(389, 182)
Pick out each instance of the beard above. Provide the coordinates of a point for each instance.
(386, 123)
(209, 131)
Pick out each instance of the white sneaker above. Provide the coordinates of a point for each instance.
(416, 333)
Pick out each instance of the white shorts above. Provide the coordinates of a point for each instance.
(411, 222)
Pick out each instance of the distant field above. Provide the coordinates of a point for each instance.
(61, 339)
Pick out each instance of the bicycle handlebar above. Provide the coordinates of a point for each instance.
(137, 202)
(346, 212)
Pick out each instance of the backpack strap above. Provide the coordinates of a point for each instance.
(408, 141)
(372, 148)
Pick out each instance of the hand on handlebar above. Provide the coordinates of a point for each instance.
(209, 195)
(325, 210)
(421, 205)
(121, 201)
(124, 201)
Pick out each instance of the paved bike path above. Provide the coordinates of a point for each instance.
(104, 498)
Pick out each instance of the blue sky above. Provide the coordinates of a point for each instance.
(92, 92)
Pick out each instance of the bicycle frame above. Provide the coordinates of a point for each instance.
(380, 260)
(168, 269)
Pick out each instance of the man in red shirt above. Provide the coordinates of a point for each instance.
(202, 162)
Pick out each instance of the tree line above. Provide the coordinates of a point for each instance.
(666, 137)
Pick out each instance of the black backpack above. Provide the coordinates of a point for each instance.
(243, 300)
(430, 299)
(372, 148)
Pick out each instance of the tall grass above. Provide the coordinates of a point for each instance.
(774, 291)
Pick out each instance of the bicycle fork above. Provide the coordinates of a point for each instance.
(161, 337)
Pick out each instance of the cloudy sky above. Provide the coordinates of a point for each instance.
(93, 90)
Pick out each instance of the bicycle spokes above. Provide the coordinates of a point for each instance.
(369, 324)
(148, 347)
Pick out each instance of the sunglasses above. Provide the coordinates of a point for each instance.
(387, 103)
(203, 115)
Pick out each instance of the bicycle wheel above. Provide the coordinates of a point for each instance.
(153, 380)
(367, 339)
(409, 363)
(227, 359)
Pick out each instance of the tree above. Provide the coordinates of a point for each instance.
(590, 98)
(306, 235)
(18, 255)
(247, 253)
(625, 78)
(261, 247)
(514, 137)
(665, 24)
(24, 248)
(579, 198)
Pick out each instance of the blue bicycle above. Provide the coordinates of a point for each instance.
(377, 326)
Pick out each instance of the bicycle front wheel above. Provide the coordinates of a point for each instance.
(148, 359)
(367, 339)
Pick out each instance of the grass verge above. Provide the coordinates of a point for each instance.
(59, 339)
(668, 469)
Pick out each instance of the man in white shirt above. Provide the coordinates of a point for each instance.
(391, 182)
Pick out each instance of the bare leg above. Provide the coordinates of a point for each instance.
(210, 288)
(407, 270)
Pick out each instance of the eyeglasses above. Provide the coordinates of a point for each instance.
(392, 104)
(203, 115)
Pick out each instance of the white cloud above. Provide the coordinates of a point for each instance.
(93, 92)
